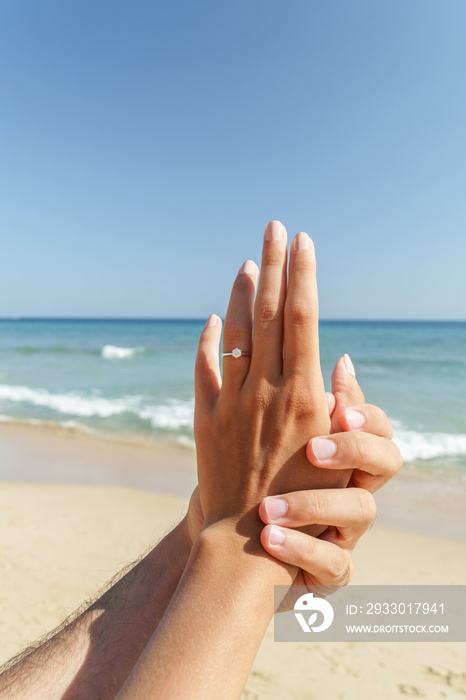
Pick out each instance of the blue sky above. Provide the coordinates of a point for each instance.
(145, 145)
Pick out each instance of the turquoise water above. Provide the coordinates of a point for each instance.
(136, 377)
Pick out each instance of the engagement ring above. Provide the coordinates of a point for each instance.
(235, 353)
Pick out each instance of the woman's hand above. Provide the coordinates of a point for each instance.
(251, 429)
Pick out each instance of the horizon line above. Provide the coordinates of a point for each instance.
(203, 318)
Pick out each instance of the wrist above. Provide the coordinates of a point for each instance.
(236, 540)
(240, 530)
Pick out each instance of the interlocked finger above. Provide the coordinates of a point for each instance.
(351, 509)
(326, 562)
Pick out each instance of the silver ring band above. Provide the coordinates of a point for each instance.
(235, 353)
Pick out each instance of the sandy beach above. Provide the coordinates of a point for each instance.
(74, 509)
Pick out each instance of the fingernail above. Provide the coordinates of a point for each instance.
(323, 448)
(355, 418)
(275, 508)
(349, 365)
(211, 321)
(275, 231)
(276, 535)
(248, 268)
(302, 241)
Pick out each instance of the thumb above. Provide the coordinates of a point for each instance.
(346, 390)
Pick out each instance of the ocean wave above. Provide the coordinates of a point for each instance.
(173, 414)
(177, 415)
(71, 404)
(113, 352)
(415, 445)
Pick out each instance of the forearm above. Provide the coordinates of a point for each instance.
(207, 641)
(93, 655)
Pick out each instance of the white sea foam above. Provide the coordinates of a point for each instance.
(71, 404)
(416, 445)
(178, 415)
(113, 352)
(173, 414)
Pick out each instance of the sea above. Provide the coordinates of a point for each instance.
(135, 378)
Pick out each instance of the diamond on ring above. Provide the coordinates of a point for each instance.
(235, 353)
